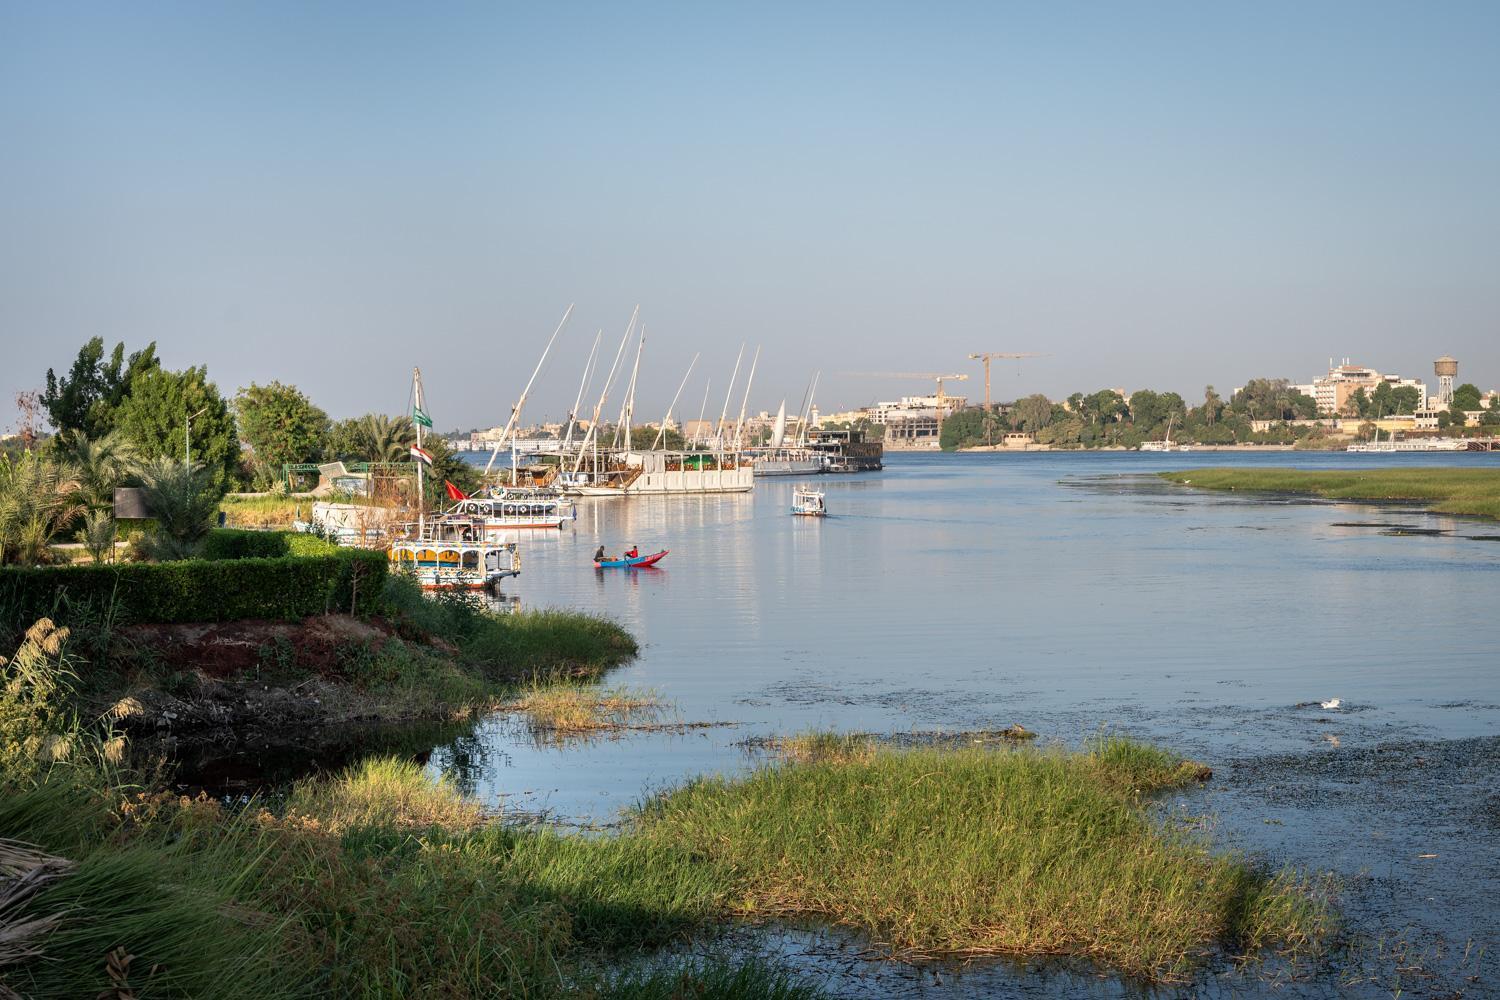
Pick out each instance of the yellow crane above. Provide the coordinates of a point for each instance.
(935, 376)
(986, 357)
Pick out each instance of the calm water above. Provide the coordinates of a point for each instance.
(1064, 592)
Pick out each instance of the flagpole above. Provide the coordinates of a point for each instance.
(416, 381)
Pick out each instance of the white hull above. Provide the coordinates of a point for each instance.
(675, 483)
(1388, 447)
(788, 467)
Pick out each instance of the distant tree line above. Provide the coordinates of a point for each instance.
(1107, 419)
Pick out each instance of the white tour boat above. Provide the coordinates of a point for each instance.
(516, 509)
(808, 503)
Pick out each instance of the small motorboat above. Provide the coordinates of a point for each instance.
(632, 563)
(808, 503)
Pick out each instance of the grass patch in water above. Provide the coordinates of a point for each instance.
(966, 853)
(564, 708)
(1447, 490)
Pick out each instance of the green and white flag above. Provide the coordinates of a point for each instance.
(419, 416)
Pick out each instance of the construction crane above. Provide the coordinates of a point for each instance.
(986, 357)
(935, 376)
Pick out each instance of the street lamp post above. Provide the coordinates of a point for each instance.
(187, 435)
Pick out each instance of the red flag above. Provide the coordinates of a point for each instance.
(454, 493)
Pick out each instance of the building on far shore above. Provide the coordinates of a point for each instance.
(1334, 390)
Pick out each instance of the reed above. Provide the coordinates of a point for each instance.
(577, 710)
(1446, 490)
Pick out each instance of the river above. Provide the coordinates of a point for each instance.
(1070, 593)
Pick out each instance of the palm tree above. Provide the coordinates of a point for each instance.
(102, 464)
(97, 533)
(387, 439)
(37, 503)
(184, 500)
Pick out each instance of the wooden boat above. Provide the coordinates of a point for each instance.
(439, 561)
(637, 563)
(808, 503)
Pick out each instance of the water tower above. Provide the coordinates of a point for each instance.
(1446, 369)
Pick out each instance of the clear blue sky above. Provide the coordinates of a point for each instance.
(1155, 194)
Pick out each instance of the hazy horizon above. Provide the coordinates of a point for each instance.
(1160, 195)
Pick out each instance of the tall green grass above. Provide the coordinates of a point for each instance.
(381, 882)
(1447, 490)
(973, 852)
(519, 647)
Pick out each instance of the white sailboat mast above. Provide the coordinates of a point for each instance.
(588, 375)
(812, 394)
(515, 412)
(701, 411)
(661, 434)
(724, 413)
(745, 400)
(593, 433)
(627, 405)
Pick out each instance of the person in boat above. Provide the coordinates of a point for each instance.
(632, 553)
(599, 555)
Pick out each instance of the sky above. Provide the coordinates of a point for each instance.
(1151, 194)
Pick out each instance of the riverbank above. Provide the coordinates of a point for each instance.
(323, 687)
(1466, 491)
(381, 878)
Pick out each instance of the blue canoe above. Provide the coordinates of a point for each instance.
(635, 563)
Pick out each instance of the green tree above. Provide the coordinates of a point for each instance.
(388, 439)
(642, 438)
(87, 398)
(449, 465)
(1272, 399)
(1466, 397)
(1145, 409)
(183, 498)
(1358, 403)
(1382, 400)
(100, 465)
(1033, 413)
(1105, 407)
(1405, 399)
(346, 440)
(37, 503)
(155, 419)
(1212, 406)
(280, 424)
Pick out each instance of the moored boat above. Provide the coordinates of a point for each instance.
(515, 509)
(455, 566)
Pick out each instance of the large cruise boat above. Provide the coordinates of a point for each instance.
(639, 473)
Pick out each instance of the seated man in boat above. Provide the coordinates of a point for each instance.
(599, 555)
(632, 553)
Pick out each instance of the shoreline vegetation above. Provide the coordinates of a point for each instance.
(381, 879)
(1463, 491)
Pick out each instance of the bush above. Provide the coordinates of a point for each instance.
(202, 590)
(237, 543)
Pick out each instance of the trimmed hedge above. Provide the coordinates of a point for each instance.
(239, 543)
(201, 590)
